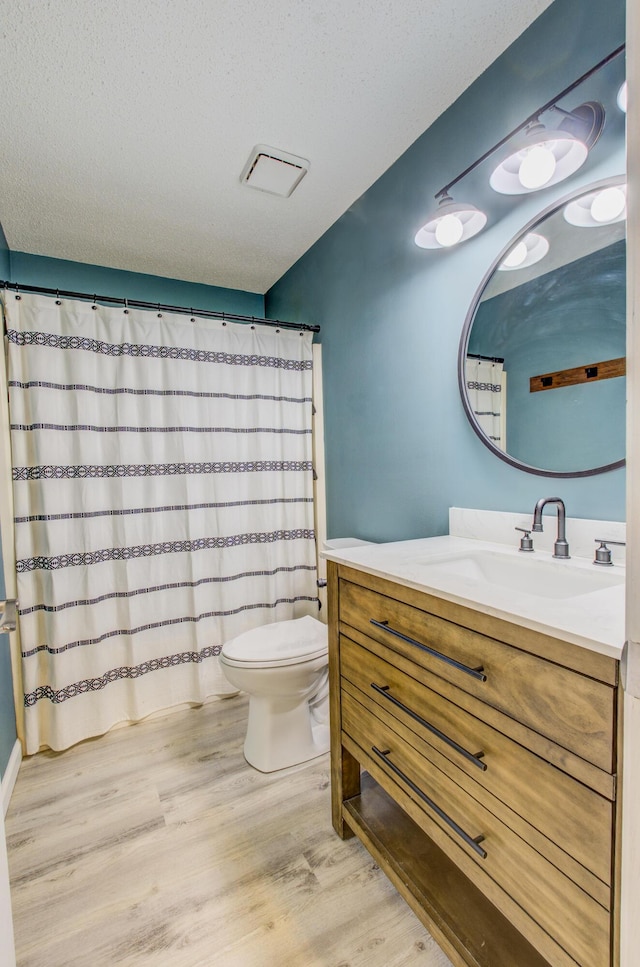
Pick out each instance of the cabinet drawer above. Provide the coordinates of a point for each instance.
(480, 843)
(572, 710)
(573, 817)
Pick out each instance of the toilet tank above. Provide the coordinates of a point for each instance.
(338, 542)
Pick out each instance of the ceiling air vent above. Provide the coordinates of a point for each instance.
(277, 172)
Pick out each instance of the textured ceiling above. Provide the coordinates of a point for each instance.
(126, 125)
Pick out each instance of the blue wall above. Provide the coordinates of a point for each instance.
(399, 448)
(78, 277)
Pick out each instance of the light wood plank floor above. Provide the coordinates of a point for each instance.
(158, 846)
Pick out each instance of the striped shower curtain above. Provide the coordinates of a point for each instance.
(486, 382)
(163, 504)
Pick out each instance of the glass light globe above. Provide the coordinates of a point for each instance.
(516, 256)
(607, 205)
(531, 249)
(622, 98)
(537, 168)
(449, 230)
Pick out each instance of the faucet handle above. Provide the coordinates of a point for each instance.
(526, 542)
(603, 553)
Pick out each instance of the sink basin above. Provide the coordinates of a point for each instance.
(517, 572)
(571, 600)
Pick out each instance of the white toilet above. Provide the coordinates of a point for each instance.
(284, 668)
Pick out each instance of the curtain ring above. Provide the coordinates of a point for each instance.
(58, 303)
(126, 307)
(94, 306)
(192, 318)
(159, 313)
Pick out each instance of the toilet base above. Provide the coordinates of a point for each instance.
(283, 733)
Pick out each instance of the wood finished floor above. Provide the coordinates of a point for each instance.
(158, 846)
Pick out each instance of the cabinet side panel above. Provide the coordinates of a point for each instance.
(345, 770)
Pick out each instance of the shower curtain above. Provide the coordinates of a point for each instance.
(487, 391)
(163, 490)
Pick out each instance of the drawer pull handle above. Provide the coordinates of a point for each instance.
(477, 673)
(473, 842)
(476, 758)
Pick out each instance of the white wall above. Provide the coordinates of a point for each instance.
(630, 922)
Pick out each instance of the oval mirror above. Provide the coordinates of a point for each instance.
(541, 365)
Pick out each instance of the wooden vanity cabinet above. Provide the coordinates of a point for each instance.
(477, 761)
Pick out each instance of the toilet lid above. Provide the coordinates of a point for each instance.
(280, 643)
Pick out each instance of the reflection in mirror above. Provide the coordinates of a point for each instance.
(548, 325)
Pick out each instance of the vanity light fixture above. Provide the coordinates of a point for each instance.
(543, 158)
(451, 223)
(529, 250)
(622, 98)
(597, 208)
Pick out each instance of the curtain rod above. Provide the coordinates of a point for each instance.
(486, 359)
(159, 307)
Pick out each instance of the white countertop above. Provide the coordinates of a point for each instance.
(593, 620)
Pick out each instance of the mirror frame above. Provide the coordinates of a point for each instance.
(551, 209)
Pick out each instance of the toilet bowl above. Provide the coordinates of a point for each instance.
(284, 669)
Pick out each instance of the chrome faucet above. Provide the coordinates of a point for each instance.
(560, 548)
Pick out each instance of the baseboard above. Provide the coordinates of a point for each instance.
(10, 775)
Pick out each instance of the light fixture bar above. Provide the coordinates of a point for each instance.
(532, 117)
